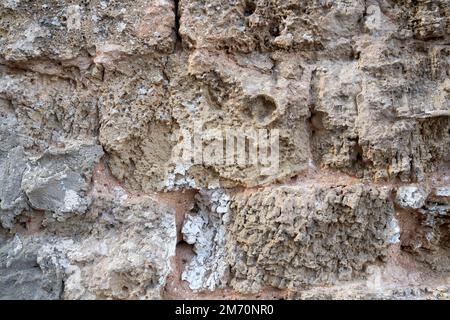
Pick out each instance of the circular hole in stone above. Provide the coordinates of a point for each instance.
(274, 30)
(261, 108)
(250, 8)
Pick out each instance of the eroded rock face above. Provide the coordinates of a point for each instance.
(68, 29)
(111, 112)
(292, 236)
(205, 229)
(21, 277)
(121, 249)
(383, 122)
(411, 196)
(431, 242)
(49, 146)
(124, 255)
(58, 181)
(288, 237)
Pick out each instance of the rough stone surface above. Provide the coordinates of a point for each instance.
(58, 181)
(100, 101)
(125, 254)
(431, 243)
(22, 277)
(411, 197)
(205, 229)
(121, 249)
(287, 237)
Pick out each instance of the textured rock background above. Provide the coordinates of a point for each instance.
(95, 100)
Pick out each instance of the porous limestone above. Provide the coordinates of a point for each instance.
(114, 114)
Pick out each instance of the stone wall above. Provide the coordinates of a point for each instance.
(99, 99)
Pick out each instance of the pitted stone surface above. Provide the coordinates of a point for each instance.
(101, 99)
